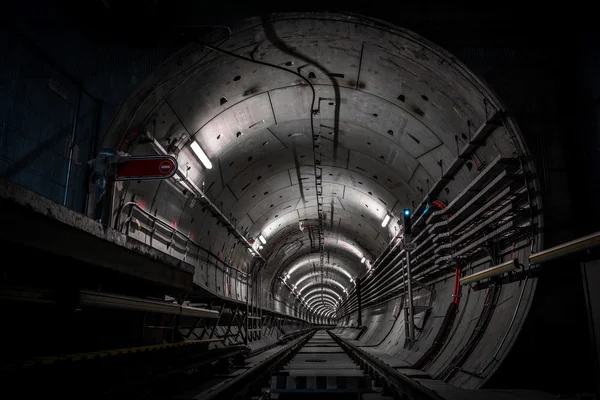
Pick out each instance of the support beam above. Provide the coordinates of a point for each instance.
(358, 281)
(409, 295)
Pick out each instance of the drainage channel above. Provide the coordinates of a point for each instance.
(320, 365)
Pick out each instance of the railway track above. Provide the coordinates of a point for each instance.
(318, 364)
(313, 363)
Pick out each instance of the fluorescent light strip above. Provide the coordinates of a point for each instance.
(201, 154)
(325, 279)
(386, 219)
(325, 289)
(318, 298)
(262, 239)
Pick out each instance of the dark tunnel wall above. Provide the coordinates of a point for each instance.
(532, 80)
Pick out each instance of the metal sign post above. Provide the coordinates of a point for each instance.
(110, 166)
(408, 246)
(411, 310)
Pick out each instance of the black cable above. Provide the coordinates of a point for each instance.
(312, 88)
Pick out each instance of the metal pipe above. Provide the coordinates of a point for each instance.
(211, 206)
(411, 313)
(175, 230)
(247, 311)
(109, 300)
(358, 280)
(71, 144)
(92, 152)
(507, 266)
(583, 243)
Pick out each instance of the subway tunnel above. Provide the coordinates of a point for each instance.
(334, 173)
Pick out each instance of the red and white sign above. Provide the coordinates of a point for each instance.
(139, 168)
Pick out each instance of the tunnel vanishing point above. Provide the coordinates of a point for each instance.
(353, 213)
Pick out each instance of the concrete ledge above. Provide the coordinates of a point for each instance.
(35, 221)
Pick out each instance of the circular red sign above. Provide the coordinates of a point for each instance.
(166, 167)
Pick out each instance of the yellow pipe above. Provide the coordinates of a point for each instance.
(510, 265)
(565, 249)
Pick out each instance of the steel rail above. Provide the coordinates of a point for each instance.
(406, 388)
(229, 389)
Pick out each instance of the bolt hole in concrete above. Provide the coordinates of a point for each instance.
(223, 100)
(375, 115)
(219, 137)
(237, 78)
(289, 63)
(401, 98)
(312, 75)
(238, 134)
(391, 132)
(424, 97)
(331, 103)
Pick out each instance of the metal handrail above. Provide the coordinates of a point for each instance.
(211, 206)
(154, 218)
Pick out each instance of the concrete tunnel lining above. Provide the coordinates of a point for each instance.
(406, 107)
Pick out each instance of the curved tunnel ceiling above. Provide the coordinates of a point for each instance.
(391, 110)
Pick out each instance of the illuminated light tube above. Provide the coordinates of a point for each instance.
(329, 302)
(507, 266)
(362, 260)
(318, 299)
(317, 303)
(325, 289)
(201, 154)
(565, 249)
(386, 219)
(262, 239)
(333, 281)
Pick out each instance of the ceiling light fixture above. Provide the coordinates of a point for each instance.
(362, 260)
(201, 154)
(386, 219)
(262, 239)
